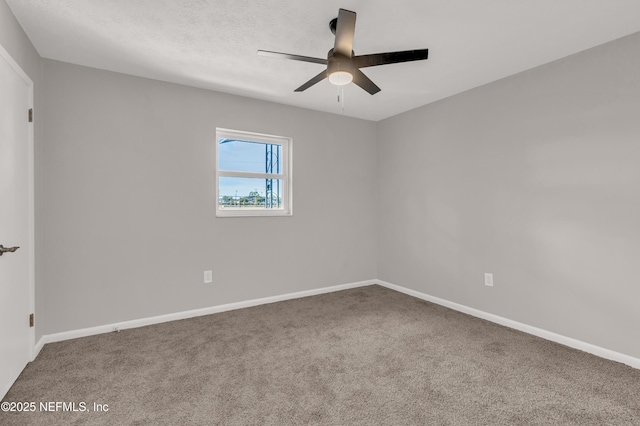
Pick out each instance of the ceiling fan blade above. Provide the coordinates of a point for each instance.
(345, 28)
(390, 58)
(317, 79)
(363, 81)
(294, 57)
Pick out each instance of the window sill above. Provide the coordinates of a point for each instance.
(252, 213)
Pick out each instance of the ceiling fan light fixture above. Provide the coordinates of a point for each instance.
(340, 78)
(343, 65)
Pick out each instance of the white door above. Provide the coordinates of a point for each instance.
(16, 220)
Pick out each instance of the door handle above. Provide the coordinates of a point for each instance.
(4, 249)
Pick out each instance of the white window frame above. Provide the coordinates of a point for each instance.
(284, 176)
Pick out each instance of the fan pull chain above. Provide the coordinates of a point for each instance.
(341, 98)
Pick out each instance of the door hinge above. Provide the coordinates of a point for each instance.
(31, 320)
(30, 115)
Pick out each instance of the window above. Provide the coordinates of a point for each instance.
(253, 174)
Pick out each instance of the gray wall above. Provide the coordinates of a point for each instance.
(129, 195)
(535, 178)
(15, 41)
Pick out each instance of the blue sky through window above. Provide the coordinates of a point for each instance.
(242, 156)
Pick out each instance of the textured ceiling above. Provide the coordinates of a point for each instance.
(212, 44)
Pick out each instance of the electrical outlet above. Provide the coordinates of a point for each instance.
(208, 277)
(488, 279)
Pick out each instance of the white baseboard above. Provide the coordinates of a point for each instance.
(548, 335)
(38, 347)
(108, 328)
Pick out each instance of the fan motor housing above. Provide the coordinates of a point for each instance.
(338, 62)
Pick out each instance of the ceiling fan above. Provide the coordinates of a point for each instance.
(343, 66)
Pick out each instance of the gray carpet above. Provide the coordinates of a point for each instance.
(368, 356)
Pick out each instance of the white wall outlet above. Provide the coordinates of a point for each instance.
(208, 277)
(488, 279)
